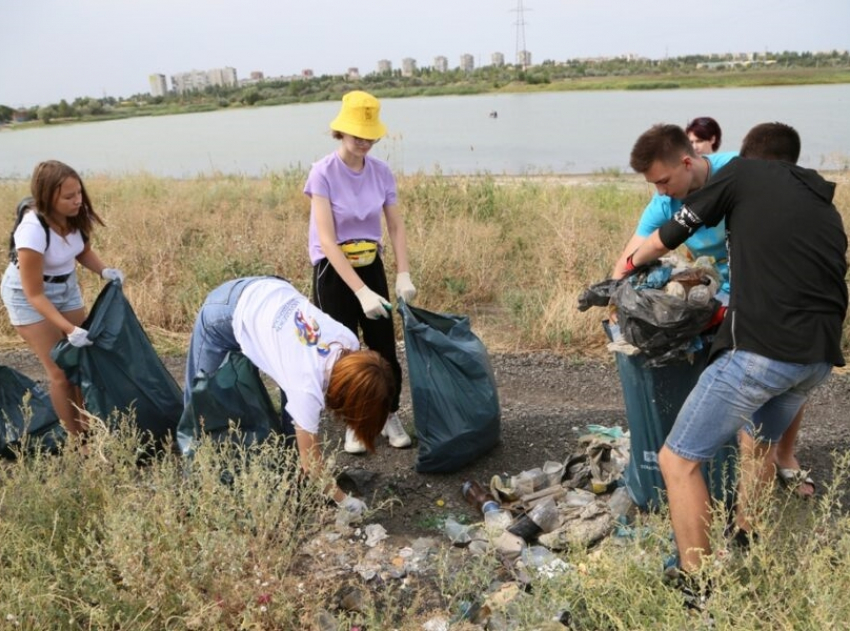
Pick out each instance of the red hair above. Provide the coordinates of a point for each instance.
(360, 392)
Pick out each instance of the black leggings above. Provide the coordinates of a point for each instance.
(335, 298)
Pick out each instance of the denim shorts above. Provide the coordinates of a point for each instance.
(740, 389)
(64, 296)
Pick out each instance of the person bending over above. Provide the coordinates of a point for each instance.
(316, 361)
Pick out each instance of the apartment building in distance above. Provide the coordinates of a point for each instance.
(497, 59)
(159, 86)
(199, 79)
(441, 64)
(408, 67)
(385, 66)
(467, 62)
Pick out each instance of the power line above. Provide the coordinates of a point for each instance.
(521, 51)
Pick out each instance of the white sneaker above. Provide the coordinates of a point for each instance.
(394, 431)
(352, 445)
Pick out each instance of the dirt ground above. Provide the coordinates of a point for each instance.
(547, 403)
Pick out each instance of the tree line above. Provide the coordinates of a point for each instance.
(422, 82)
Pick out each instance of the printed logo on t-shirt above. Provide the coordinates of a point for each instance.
(309, 332)
(283, 313)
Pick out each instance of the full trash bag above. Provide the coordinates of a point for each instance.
(453, 389)
(232, 395)
(26, 420)
(658, 323)
(120, 373)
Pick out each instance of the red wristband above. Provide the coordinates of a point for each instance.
(630, 264)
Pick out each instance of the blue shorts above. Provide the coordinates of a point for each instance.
(64, 296)
(740, 389)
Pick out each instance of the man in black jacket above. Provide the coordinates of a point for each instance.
(779, 339)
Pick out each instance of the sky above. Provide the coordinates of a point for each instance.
(64, 49)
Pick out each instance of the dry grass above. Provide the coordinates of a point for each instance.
(513, 253)
(96, 542)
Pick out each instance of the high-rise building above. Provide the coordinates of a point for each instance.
(222, 76)
(441, 64)
(467, 62)
(385, 66)
(199, 79)
(159, 86)
(497, 59)
(408, 67)
(523, 58)
(353, 74)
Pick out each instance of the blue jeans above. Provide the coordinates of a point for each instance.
(212, 336)
(212, 339)
(740, 389)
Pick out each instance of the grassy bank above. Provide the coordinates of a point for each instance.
(92, 541)
(513, 253)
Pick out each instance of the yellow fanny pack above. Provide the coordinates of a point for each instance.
(359, 253)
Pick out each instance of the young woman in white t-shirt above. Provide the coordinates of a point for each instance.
(315, 360)
(40, 289)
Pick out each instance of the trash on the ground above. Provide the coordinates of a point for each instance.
(438, 623)
(611, 432)
(457, 533)
(375, 533)
(479, 497)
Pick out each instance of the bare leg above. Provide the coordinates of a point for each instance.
(757, 472)
(41, 337)
(785, 456)
(690, 512)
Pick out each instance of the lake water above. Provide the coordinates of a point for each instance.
(562, 132)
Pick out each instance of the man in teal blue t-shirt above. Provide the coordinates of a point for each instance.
(674, 181)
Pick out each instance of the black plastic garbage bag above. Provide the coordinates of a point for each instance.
(31, 420)
(455, 401)
(233, 394)
(598, 294)
(658, 323)
(121, 372)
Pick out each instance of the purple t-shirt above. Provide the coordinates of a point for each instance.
(357, 199)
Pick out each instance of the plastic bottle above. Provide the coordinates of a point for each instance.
(699, 295)
(479, 497)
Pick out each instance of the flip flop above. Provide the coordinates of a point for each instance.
(793, 479)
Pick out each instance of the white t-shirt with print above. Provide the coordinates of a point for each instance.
(293, 342)
(60, 257)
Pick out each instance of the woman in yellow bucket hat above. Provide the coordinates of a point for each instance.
(349, 191)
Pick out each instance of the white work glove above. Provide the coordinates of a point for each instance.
(111, 273)
(404, 289)
(79, 337)
(373, 305)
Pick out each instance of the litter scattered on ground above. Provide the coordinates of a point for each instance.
(526, 519)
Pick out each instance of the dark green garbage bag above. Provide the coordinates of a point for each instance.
(121, 372)
(33, 422)
(233, 394)
(653, 398)
(455, 401)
